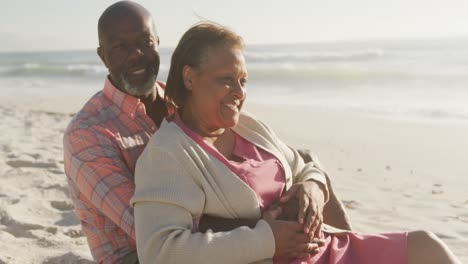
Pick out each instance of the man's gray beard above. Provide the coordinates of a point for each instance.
(142, 90)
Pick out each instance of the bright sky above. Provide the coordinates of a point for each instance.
(70, 24)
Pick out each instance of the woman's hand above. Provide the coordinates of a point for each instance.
(290, 241)
(310, 196)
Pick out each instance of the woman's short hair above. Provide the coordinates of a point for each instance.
(193, 50)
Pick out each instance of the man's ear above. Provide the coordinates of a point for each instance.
(101, 55)
(187, 75)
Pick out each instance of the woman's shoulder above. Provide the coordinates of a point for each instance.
(249, 122)
(247, 119)
(167, 135)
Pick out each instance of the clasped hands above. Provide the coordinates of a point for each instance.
(296, 220)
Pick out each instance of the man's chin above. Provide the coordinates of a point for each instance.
(139, 93)
(139, 89)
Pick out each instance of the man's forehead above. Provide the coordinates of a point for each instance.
(128, 25)
(125, 17)
(127, 20)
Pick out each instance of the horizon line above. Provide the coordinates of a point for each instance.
(319, 42)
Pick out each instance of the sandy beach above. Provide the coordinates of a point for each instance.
(392, 175)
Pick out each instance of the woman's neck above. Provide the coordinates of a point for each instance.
(221, 139)
(196, 124)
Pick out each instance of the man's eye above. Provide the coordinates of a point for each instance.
(118, 47)
(149, 42)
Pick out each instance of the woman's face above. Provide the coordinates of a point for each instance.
(217, 89)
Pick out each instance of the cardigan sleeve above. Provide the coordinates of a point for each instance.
(167, 199)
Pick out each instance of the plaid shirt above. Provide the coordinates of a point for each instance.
(101, 146)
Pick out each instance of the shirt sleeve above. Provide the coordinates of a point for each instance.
(93, 162)
(166, 200)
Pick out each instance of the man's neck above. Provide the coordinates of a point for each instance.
(155, 106)
(149, 99)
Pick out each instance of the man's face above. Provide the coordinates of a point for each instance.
(130, 50)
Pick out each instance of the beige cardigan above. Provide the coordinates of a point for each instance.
(177, 182)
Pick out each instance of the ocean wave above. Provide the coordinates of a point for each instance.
(442, 114)
(57, 70)
(294, 73)
(51, 70)
(272, 73)
(410, 112)
(423, 113)
(308, 57)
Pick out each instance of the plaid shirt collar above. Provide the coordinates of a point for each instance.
(127, 103)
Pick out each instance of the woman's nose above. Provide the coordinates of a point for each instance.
(239, 90)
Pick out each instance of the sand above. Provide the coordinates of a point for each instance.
(392, 175)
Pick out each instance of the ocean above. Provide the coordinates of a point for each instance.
(417, 79)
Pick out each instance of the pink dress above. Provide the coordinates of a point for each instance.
(265, 175)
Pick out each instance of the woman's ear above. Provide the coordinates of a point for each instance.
(187, 75)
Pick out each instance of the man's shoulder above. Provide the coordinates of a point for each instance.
(94, 113)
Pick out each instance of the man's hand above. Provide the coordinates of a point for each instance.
(290, 241)
(310, 198)
(289, 210)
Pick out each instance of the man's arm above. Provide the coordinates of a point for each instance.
(94, 165)
(334, 213)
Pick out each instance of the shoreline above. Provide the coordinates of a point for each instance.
(72, 104)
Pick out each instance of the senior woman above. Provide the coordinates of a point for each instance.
(210, 158)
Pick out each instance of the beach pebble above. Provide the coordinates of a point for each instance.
(74, 233)
(62, 205)
(51, 229)
(30, 164)
(350, 204)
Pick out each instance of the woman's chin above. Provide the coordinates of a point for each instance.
(231, 122)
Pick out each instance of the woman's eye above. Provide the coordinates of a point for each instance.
(227, 80)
